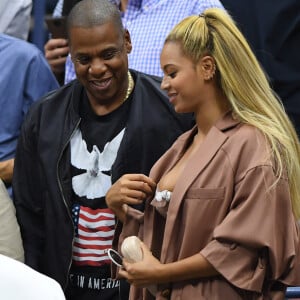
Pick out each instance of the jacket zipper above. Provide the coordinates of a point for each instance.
(63, 197)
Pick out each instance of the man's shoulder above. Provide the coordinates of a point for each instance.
(154, 101)
(56, 105)
(148, 84)
(58, 98)
(144, 77)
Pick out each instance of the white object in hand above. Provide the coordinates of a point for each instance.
(132, 251)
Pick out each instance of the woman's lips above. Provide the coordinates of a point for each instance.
(172, 97)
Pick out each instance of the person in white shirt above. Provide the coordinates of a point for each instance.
(18, 281)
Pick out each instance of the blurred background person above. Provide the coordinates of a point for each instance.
(272, 28)
(15, 17)
(57, 49)
(25, 77)
(10, 235)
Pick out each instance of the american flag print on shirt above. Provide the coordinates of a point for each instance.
(94, 230)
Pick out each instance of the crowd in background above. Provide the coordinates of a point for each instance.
(38, 69)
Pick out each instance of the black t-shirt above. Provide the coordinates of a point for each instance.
(94, 148)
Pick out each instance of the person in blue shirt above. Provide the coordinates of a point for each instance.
(25, 77)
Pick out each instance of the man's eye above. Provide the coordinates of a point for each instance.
(83, 60)
(110, 54)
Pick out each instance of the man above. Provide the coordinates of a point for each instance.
(76, 142)
(148, 21)
(25, 77)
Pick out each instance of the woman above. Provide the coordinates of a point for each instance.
(222, 223)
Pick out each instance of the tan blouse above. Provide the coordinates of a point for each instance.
(224, 206)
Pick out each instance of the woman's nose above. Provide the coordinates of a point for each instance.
(165, 83)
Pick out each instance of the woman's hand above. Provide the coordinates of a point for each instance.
(149, 272)
(143, 273)
(129, 189)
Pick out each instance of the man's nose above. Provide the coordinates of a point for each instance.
(97, 66)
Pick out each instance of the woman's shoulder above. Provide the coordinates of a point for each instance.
(248, 136)
(248, 148)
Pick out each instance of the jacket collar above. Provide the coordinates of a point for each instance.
(227, 121)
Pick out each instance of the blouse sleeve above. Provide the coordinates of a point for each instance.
(133, 222)
(259, 237)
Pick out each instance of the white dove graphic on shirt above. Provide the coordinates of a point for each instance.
(94, 183)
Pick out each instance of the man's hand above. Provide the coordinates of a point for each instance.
(129, 189)
(6, 170)
(56, 52)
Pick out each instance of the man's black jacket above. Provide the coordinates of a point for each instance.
(42, 176)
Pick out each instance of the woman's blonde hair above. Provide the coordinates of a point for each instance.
(246, 86)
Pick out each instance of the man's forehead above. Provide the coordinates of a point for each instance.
(86, 41)
(106, 32)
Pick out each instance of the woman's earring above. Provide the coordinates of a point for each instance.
(213, 72)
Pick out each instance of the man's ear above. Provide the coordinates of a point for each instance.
(127, 41)
(208, 66)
